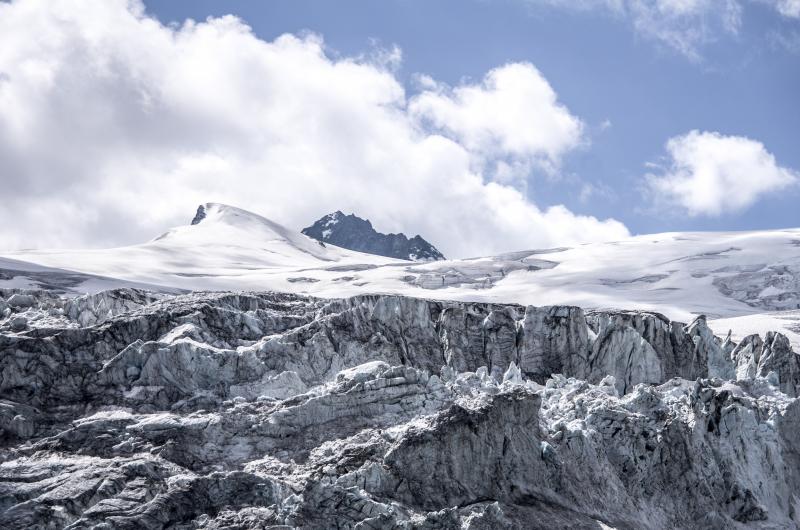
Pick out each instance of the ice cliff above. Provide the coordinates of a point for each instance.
(130, 409)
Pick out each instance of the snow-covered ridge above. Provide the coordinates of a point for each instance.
(746, 281)
(224, 248)
(241, 229)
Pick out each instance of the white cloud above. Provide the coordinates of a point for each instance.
(683, 25)
(514, 112)
(711, 174)
(787, 8)
(114, 127)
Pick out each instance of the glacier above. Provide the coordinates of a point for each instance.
(234, 373)
(746, 282)
(135, 409)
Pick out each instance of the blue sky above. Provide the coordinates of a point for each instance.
(746, 84)
(484, 126)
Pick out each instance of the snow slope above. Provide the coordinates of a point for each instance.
(743, 279)
(228, 249)
(16, 274)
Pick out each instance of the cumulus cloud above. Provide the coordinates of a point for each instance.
(514, 112)
(712, 174)
(114, 127)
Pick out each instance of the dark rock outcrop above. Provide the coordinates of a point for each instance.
(354, 233)
(200, 215)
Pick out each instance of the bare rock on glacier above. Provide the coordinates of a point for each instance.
(128, 409)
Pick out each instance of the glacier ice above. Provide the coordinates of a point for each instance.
(130, 409)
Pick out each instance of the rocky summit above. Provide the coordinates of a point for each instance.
(352, 232)
(132, 409)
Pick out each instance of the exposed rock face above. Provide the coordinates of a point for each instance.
(354, 233)
(200, 215)
(129, 409)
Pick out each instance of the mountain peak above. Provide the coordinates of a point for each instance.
(218, 211)
(246, 240)
(215, 212)
(200, 215)
(354, 233)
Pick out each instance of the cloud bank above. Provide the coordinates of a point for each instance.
(114, 127)
(711, 174)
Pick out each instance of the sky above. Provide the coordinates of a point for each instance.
(483, 126)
